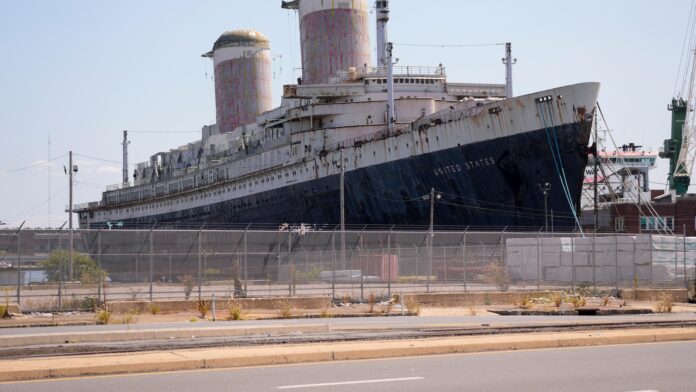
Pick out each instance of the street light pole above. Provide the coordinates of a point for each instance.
(432, 196)
(545, 190)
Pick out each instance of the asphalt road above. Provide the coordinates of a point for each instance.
(626, 368)
(362, 323)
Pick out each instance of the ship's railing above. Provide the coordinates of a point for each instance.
(406, 70)
(144, 264)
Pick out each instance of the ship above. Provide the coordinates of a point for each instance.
(623, 176)
(360, 143)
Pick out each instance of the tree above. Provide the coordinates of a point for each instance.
(85, 268)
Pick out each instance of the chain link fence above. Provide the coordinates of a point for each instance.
(39, 271)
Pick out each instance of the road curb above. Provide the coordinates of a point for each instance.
(178, 360)
(13, 341)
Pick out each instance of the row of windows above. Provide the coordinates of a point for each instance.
(403, 81)
(205, 195)
(647, 161)
(649, 223)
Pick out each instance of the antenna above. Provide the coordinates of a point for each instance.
(49, 180)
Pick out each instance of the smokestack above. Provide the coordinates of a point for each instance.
(334, 36)
(243, 80)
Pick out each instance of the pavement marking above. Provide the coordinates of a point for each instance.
(330, 384)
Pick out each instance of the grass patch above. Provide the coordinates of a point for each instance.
(473, 309)
(102, 317)
(284, 309)
(371, 300)
(130, 317)
(154, 309)
(413, 306)
(524, 301)
(203, 308)
(557, 299)
(664, 303)
(325, 312)
(236, 312)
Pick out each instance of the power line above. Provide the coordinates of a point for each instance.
(97, 159)
(147, 131)
(448, 45)
(96, 186)
(40, 204)
(35, 164)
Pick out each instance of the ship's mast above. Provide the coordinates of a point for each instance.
(391, 113)
(509, 62)
(382, 7)
(385, 58)
(125, 158)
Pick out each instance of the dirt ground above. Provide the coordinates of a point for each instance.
(363, 310)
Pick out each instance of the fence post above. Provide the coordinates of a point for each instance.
(151, 261)
(594, 261)
(333, 264)
(246, 288)
(540, 257)
(444, 260)
(200, 257)
(213, 305)
(389, 263)
(676, 259)
(362, 267)
(290, 266)
(464, 257)
(652, 262)
(99, 271)
(686, 280)
(633, 264)
(306, 264)
(503, 252)
(60, 274)
(616, 258)
(429, 244)
(19, 266)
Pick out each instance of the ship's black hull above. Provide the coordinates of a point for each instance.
(490, 184)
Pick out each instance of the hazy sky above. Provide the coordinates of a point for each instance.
(80, 72)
